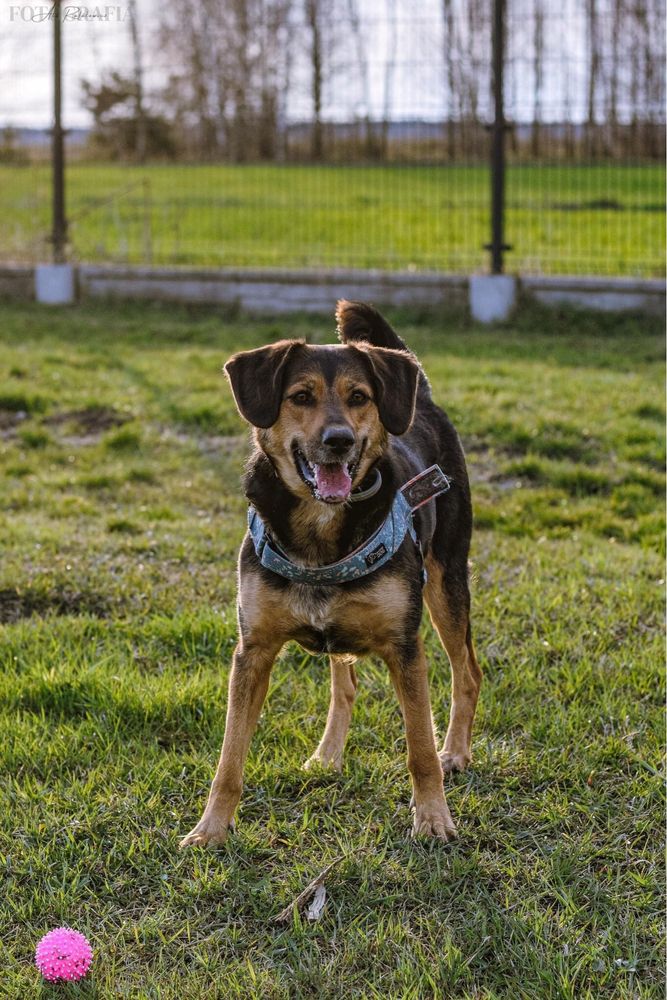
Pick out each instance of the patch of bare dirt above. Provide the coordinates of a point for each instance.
(17, 604)
(10, 419)
(225, 444)
(90, 420)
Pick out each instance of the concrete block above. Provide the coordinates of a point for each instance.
(492, 297)
(54, 284)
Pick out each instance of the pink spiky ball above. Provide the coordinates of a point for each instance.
(63, 955)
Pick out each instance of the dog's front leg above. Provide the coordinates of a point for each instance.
(409, 674)
(248, 684)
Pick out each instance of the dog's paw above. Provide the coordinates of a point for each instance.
(454, 761)
(210, 831)
(322, 759)
(433, 819)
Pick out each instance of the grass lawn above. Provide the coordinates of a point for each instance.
(120, 516)
(577, 220)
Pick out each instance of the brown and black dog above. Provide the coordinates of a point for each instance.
(330, 424)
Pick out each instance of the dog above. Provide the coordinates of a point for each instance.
(340, 552)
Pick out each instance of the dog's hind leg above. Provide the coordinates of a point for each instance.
(248, 684)
(449, 607)
(343, 692)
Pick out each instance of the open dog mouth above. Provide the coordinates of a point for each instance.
(330, 482)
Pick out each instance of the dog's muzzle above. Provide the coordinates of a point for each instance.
(331, 482)
(327, 474)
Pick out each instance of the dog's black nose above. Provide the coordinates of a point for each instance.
(338, 439)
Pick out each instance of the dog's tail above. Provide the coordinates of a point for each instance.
(359, 321)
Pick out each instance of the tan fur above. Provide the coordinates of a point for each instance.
(248, 684)
(315, 528)
(432, 815)
(376, 616)
(373, 618)
(456, 752)
(262, 610)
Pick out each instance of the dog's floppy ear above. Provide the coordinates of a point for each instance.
(395, 376)
(257, 379)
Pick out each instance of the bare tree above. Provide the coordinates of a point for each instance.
(362, 64)
(238, 77)
(230, 73)
(568, 145)
(140, 112)
(274, 71)
(313, 12)
(613, 82)
(650, 15)
(389, 73)
(593, 45)
(452, 89)
(538, 74)
(475, 67)
(191, 93)
(235, 66)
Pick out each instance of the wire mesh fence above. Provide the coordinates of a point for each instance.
(322, 133)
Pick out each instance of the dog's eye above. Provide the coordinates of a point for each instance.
(357, 398)
(302, 398)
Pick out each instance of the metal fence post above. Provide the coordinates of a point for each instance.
(497, 246)
(59, 232)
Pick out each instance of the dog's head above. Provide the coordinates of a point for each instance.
(322, 413)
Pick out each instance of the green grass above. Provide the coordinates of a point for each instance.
(579, 220)
(121, 514)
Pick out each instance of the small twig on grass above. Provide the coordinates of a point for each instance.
(298, 904)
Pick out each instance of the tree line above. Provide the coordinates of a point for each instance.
(317, 80)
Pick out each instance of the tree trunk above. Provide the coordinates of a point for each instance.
(313, 21)
(635, 76)
(452, 90)
(362, 61)
(593, 75)
(140, 112)
(538, 71)
(612, 106)
(389, 72)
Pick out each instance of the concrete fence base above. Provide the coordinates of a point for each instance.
(271, 290)
(275, 290)
(54, 284)
(606, 294)
(492, 297)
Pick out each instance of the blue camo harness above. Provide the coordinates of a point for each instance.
(371, 554)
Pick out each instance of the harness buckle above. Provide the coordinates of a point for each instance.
(422, 488)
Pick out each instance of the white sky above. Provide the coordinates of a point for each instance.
(91, 45)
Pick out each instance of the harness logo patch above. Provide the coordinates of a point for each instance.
(376, 554)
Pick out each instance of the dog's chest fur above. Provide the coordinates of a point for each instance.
(331, 620)
(314, 607)
(314, 531)
(320, 622)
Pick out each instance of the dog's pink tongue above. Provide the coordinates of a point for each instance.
(333, 481)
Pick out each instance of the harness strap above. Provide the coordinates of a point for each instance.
(371, 554)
